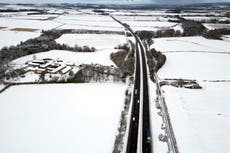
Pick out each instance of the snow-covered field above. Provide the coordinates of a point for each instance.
(35, 17)
(198, 66)
(99, 22)
(141, 18)
(11, 36)
(205, 18)
(217, 26)
(194, 58)
(200, 118)
(11, 23)
(90, 22)
(8, 38)
(226, 37)
(1, 86)
(99, 57)
(84, 118)
(143, 13)
(99, 41)
(84, 20)
(56, 118)
(153, 25)
(155, 121)
(193, 44)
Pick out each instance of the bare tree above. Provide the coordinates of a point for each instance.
(4, 66)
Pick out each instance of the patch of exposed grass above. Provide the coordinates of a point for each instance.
(50, 18)
(24, 29)
(2, 28)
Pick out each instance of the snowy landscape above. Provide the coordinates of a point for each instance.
(199, 117)
(60, 121)
(67, 76)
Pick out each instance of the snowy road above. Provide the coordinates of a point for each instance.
(139, 139)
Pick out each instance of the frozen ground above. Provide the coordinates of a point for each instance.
(217, 26)
(11, 23)
(193, 44)
(1, 86)
(66, 118)
(144, 13)
(153, 25)
(226, 38)
(198, 66)
(200, 118)
(8, 38)
(35, 17)
(194, 58)
(71, 117)
(99, 41)
(205, 18)
(90, 22)
(87, 19)
(99, 57)
(156, 121)
(141, 18)
(99, 22)
(20, 20)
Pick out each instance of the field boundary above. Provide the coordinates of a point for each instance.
(8, 85)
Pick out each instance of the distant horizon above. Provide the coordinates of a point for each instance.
(118, 2)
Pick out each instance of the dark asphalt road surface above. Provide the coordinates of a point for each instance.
(138, 91)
